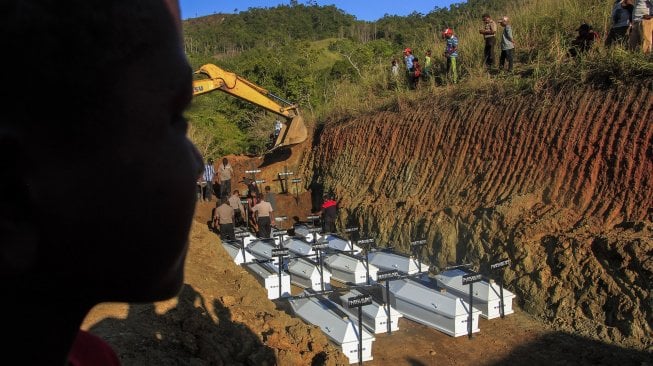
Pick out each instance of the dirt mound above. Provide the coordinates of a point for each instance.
(221, 317)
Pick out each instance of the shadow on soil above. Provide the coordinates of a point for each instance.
(183, 335)
(559, 348)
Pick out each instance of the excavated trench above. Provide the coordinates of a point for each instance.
(559, 184)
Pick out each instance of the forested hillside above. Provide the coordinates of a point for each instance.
(308, 54)
(334, 65)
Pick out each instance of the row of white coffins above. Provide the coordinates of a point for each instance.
(440, 303)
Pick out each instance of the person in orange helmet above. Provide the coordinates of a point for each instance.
(451, 53)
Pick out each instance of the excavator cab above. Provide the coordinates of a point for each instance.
(292, 132)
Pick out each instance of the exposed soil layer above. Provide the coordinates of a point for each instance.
(559, 184)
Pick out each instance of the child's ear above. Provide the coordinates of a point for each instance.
(18, 230)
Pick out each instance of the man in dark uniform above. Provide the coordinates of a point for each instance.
(224, 216)
(264, 214)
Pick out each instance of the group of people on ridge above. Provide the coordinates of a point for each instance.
(415, 71)
(631, 26)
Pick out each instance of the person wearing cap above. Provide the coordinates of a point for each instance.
(507, 44)
(489, 32)
(641, 32)
(451, 53)
(408, 60)
(584, 41)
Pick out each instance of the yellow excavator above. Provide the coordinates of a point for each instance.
(292, 132)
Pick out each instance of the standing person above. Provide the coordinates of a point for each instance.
(131, 127)
(426, 70)
(264, 215)
(200, 184)
(621, 17)
(224, 219)
(641, 32)
(408, 61)
(394, 74)
(252, 187)
(209, 174)
(239, 209)
(507, 44)
(329, 212)
(416, 74)
(277, 129)
(225, 171)
(252, 200)
(271, 197)
(488, 31)
(451, 53)
(394, 68)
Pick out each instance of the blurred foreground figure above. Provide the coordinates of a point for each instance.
(97, 177)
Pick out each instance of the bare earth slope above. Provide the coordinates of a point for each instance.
(560, 184)
(221, 317)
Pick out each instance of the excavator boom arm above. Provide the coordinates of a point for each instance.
(292, 132)
(239, 87)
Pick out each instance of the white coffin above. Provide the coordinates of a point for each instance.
(349, 269)
(233, 247)
(268, 275)
(375, 316)
(298, 246)
(436, 309)
(335, 324)
(302, 230)
(262, 249)
(486, 295)
(338, 243)
(305, 273)
(386, 261)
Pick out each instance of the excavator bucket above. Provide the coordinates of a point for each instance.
(293, 132)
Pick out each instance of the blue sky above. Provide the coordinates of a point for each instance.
(362, 9)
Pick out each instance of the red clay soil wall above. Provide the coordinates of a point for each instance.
(562, 185)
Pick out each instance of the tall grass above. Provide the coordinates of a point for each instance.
(543, 31)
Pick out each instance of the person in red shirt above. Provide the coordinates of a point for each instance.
(329, 212)
(120, 83)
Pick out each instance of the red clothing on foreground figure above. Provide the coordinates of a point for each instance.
(91, 350)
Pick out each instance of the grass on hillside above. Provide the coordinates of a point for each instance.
(543, 30)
